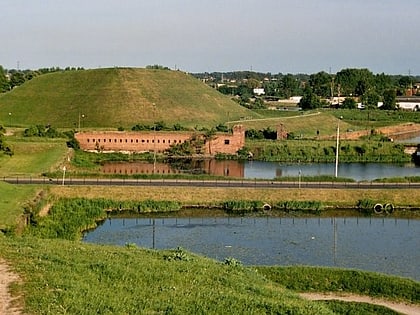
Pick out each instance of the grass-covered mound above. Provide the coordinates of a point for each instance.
(110, 98)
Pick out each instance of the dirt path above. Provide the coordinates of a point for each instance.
(403, 308)
(6, 278)
(273, 118)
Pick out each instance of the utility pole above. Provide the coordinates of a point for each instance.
(336, 150)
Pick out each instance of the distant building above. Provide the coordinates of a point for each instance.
(259, 91)
(411, 103)
(295, 99)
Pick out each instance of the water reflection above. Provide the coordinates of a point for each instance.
(375, 244)
(265, 170)
(186, 166)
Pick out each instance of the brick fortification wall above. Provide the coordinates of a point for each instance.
(122, 141)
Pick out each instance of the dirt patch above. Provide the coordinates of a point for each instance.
(403, 308)
(45, 210)
(6, 299)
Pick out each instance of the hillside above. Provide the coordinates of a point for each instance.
(110, 98)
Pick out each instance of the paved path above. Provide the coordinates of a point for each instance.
(207, 183)
(403, 308)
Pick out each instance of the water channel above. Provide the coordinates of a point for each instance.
(386, 245)
(267, 170)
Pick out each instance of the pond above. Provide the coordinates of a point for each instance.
(386, 245)
(266, 170)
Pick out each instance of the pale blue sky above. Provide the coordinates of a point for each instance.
(296, 36)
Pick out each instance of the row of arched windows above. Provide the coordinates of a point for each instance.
(104, 140)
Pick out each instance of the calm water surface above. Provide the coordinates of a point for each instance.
(356, 171)
(267, 170)
(375, 244)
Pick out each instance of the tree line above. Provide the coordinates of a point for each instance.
(355, 84)
(11, 78)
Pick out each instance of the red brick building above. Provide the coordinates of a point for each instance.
(159, 141)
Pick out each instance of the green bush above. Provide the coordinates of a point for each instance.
(242, 205)
(298, 205)
(69, 218)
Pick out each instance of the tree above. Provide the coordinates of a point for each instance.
(383, 82)
(3, 146)
(349, 103)
(17, 78)
(321, 83)
(309, 100)
(389, 99)
(371, 99)
(4, 83)
(252, 84)
(355, 81)
(289, 85)
(404, 82)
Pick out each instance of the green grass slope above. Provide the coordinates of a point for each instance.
(64, 277)
(110, 98)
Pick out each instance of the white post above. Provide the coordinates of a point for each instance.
(336, 150)
(64, 174)
(154, 139)
(300, 174)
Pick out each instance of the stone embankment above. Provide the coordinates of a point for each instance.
(402, 131)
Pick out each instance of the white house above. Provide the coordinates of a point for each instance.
(259, 91)
(409, 103)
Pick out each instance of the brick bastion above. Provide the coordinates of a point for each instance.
(159, 141)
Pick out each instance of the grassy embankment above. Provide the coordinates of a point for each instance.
(67, 277)
(70, 277)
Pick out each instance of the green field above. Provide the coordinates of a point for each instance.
(32, 158)
(12, 203)
(112, 98)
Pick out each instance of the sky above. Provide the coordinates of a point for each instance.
(276, 36)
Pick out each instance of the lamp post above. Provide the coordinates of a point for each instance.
(300, 177)
(80, 116)
(64, 174)
(336, 150)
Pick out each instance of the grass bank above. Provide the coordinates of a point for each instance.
(64, 277)
(13, 201)
(318, 279)
(199, 196)
(67, 277)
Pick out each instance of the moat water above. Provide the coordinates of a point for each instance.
(386, 245)
(267, 170)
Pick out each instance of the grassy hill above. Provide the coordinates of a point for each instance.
(110, 98)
